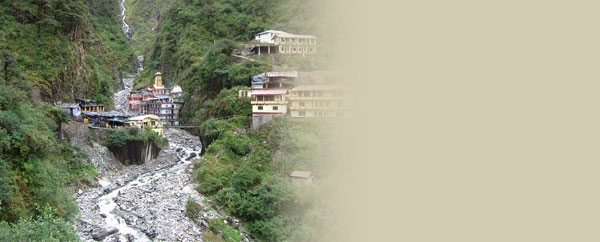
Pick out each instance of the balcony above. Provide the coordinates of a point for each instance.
(268, 102)
(311, 98)
(318, 108)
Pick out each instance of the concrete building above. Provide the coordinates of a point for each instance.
(281, 79)
(269, 101)
(158, 100)
(267, 104)
(301, 178)
(134, 100)
(277, 41)
(326, 101)
(163, 107)
(149, 121)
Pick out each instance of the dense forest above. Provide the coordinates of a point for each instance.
(63, 49)
(50, 50)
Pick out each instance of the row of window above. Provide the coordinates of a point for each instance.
(265, 98)
(318, 93)
(322, 114)
(275, 108)
(294, 40)
(321, 104)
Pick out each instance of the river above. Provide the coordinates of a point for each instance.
(141, 202)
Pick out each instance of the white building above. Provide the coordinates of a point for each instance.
(277, 41)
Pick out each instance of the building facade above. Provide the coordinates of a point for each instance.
(277, 41)
(325, 101)
(269, 101)
(158, 100)
(267, 104)
(88, 106)
(148, 121)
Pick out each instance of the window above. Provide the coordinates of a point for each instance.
(260, 107)
(275, 108)
(320, 93)
(301, 104)
(307, 94)
(259, 98)
(301, 113)
(315, 114)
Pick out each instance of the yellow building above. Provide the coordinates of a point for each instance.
(149, 121)
(325, 101)
(269, 101)
(267, 104)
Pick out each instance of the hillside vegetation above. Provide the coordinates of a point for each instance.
(246, 172)
(35, 169)
(64, 49)
(143, 17)
(50, 50)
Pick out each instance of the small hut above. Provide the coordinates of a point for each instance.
(301, 178)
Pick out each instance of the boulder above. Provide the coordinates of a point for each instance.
(101, 233)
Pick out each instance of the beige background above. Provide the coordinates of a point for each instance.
(478, 121)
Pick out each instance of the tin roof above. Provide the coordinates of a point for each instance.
(269, 92)
(69, 105)
(285, 34)
(302, 174)
(140, 118)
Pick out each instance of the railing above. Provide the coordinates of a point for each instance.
(318, 108)
(268, 102)
(317, 98)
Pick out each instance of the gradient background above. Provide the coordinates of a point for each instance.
(477, 121)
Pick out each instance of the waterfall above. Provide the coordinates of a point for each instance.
(126, 28)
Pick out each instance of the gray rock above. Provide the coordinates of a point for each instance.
(101, 233)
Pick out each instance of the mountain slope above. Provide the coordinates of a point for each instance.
(63, 49)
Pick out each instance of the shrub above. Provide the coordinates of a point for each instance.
(47, 227)
(192, 209)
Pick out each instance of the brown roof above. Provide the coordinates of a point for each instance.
(302, 174)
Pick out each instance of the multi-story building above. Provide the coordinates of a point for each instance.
(157, 100)
(269, 101)
(276, 41)
(267, 104)
(135, 99)
(163, 107)
(326, 101)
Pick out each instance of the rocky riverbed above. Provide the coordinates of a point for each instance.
(149, 198)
